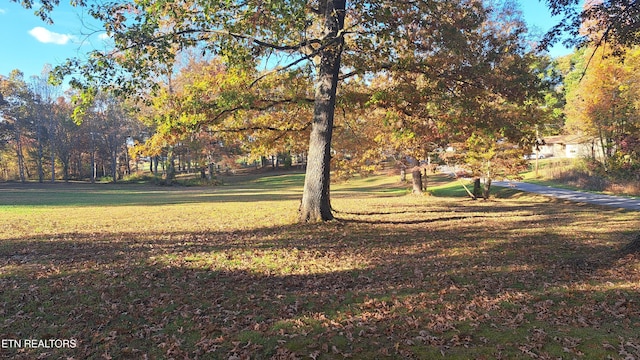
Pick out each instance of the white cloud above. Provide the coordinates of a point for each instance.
(3, 11)
(49, 37)
(104, 36)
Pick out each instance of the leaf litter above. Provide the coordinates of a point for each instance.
(407, 278)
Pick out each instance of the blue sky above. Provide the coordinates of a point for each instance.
(27, 43)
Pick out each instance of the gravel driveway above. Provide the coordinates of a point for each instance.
(577, 196)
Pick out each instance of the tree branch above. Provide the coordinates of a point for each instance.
(272, 104)
(269, 128)
(256, 41)
(296, 62)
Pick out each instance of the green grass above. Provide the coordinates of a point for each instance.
(216, 272)
(445, 186)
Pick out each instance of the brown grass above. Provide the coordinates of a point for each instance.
(226, 273)
(573, 173)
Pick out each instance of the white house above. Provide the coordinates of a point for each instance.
(571, 146)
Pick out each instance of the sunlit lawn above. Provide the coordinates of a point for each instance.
(135, 271)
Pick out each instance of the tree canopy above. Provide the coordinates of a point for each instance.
(599, 22)
(449, 66)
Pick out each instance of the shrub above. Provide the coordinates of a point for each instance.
(591, 175)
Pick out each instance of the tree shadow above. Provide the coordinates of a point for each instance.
(408, 222)
(117, 195)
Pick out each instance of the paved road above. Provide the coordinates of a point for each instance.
(577, 196)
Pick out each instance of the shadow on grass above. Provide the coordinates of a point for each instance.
(488, 281)
(76, 195)
(409, 222)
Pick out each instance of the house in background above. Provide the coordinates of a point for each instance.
(571, 146)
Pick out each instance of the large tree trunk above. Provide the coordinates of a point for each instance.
(316, 205)
(171, 167)
(477, 187)
(416, 174)
(486, 192)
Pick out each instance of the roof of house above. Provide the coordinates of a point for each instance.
(568, 139)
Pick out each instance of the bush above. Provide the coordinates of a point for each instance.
(141, 179)
(197, 181)
(105, 179)
(591, 175)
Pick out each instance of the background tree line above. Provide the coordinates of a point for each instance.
(40, 140)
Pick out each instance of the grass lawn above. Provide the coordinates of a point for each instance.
(137, 271)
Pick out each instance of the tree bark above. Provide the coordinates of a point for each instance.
(20, 155)
(211, 170)
(316, 205)
(171, 171)
(486, 193)
(425, 179)
(39, 140)
(52, 145)
(477, 187)
(155, 160)
(416, 174)
(114, 166)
